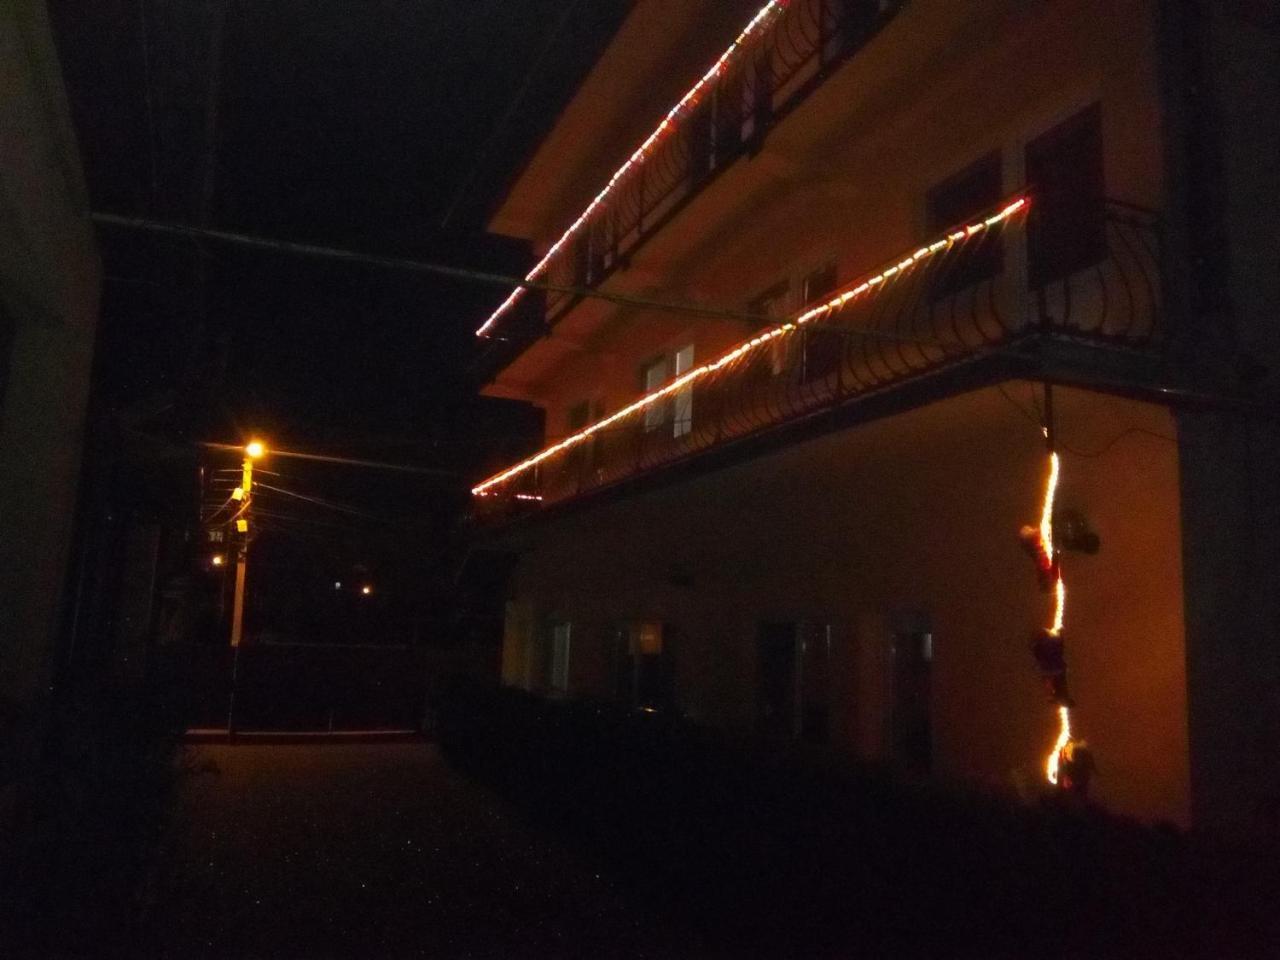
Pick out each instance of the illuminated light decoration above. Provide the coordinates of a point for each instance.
(782, 330)
(1048, 647)
(1053, 765)
(528, 496)
(639, 155)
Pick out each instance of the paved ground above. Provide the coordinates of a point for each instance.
(376, 850)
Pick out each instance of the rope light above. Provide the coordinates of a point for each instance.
(782, 330)
(638, 156)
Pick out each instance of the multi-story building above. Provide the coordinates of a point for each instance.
(835, 298)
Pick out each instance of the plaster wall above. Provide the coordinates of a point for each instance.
(914, 516)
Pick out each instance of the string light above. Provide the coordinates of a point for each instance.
(1054, 762)
(638, 156)
(785, 329)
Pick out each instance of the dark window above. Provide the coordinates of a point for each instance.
(582, 259)
(956, 202)
(823, 345)
(578, 416)
(1067, 229)
(727, 127)
(774, 304)
(578, 460)
(701, 140)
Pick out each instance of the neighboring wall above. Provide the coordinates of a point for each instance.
(49, 288)
(1224, 95)
(914, 516)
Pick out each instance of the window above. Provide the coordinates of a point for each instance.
(957, 201)
(1067, 230)
(558, 672)
(653, 375)
(726, 127)
(682, 422)
(823, 346)
(578, 416)
(774, 303)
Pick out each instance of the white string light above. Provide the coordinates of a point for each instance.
(785, 329)
(638, 156)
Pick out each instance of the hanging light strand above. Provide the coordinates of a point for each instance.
(640, 154)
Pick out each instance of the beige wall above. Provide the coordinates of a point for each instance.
(916, 513)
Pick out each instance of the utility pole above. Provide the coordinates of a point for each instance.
(242, 548)
(243, 493)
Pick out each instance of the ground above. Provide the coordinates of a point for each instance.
(375, 850)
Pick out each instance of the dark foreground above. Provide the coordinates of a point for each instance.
(374, 850)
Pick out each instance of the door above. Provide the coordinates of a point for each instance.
(776, 699)
(912, 716)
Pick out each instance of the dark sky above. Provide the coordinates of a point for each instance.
(382, 126)
(358, 123)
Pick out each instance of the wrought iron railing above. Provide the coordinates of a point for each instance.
(755, 90)
(1088, 272)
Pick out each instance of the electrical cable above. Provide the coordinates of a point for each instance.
(1086, 454)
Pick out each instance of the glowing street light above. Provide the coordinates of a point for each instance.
(366, 590)
(218, 560)
(255, 449)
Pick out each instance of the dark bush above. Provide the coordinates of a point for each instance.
(89, 822)
(779, 852)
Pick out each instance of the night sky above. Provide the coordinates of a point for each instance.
(382, 126)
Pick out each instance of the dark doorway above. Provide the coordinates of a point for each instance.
(776, 693)
(912, 716)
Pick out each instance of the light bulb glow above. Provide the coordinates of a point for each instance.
(638, 156)
(1053, 765)
(782, 330)
(1046, 512)
(255, 449)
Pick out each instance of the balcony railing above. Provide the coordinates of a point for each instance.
(1086, 273)
(759, 84)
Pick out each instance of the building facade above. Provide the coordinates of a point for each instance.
(50, 282)
(883, 373)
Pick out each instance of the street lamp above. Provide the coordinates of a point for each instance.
(366, 590)
(218, 560)
(255, 449)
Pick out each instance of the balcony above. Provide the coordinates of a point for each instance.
(763, 80)
(1070, 291)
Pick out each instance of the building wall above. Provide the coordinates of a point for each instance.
(49, 286)
(910, 518)
(844, 177)
(1224, 100)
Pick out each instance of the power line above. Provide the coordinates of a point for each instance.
(464, 273)
(319, 501)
